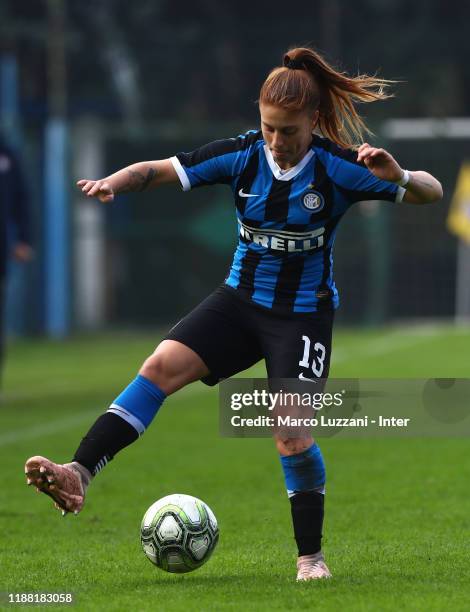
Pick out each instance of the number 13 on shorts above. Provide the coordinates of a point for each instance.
(314, 359)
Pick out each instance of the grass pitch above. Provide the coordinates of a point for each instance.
(397, 510)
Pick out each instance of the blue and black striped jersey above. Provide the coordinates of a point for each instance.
(287, 219)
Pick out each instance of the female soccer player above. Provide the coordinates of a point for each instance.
(291, 187)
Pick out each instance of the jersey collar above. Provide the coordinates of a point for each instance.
(286, 175)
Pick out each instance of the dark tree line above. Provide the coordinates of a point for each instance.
(203, 60)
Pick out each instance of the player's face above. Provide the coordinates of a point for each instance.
(287, 133)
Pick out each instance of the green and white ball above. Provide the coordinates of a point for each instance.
(179, 533)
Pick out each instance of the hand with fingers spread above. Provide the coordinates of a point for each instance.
(380, 163)
(100, 189)
(134, 178)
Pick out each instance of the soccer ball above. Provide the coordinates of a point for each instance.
(179, 533)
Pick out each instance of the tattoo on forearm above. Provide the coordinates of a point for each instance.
(137, 181)
(419, 182)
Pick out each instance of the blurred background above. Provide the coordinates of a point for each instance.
(90, 86)
(87, 87)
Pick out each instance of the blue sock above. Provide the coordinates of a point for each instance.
(305, 471)
(138, 403)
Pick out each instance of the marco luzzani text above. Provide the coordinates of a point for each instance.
(283, 401)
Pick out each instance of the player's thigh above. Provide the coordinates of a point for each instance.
(299, 350)
(217, 331)
(300, 347)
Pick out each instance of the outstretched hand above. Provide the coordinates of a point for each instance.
(379, 161)
(97, 189)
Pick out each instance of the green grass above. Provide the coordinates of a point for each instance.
(398, 512)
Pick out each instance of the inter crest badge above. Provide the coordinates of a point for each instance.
(313, 201)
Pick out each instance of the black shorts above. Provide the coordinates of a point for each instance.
(231, 334)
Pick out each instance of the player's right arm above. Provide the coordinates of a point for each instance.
(137, 177)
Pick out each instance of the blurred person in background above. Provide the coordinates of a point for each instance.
(15, 226)
(291, 187)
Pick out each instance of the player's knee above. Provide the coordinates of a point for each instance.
(159, 369)
(292, 446)
(172, 366)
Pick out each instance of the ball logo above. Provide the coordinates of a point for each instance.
(313, 201)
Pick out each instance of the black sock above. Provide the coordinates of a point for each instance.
(307, 516)
(107, 436)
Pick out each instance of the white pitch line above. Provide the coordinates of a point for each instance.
(394, 340)
(56, 426)
(53, 427)
(63, 390)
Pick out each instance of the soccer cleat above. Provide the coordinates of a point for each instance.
(312, 567)
(65, 484)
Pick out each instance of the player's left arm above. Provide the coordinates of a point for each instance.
(422, 187)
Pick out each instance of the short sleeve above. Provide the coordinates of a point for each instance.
(357, 183)
(216, 162)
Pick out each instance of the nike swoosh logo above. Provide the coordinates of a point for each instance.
(247, 195)
(302, 377)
